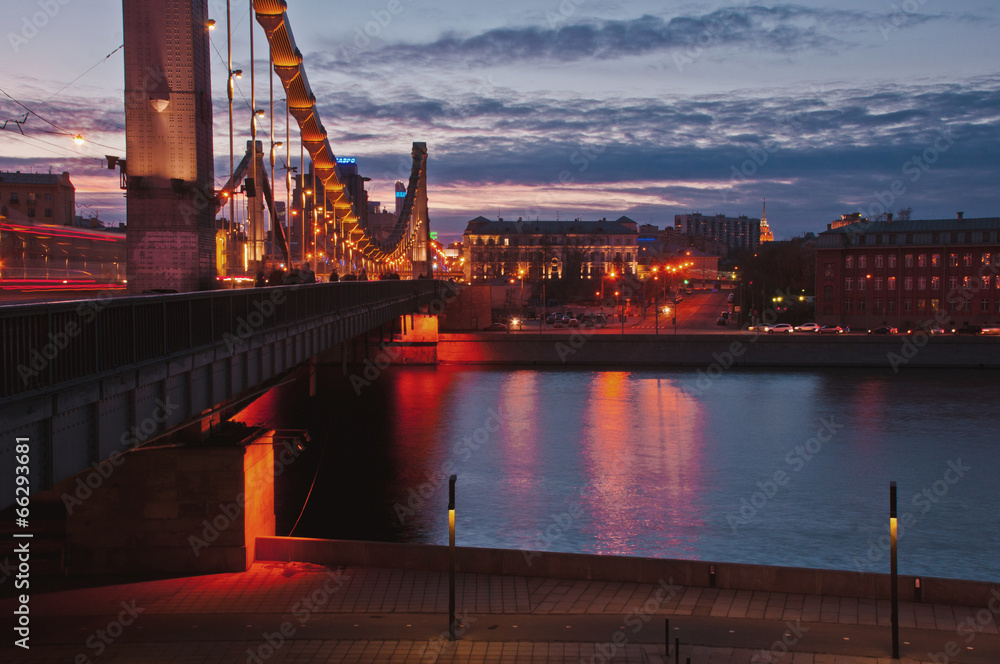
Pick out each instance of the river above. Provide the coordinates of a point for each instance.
(752, 466)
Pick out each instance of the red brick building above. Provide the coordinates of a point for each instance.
(907, 272)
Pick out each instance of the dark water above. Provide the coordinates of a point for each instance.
(770, 467)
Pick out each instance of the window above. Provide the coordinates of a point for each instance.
(48, 212)
(828, 270)
(847, 305)
(862, 283)
(891, 283)
(628, 256)
(878, 283)
(908, 260)
(907, 305)
(986, 281)
(967, 260)
(848, 283)
(935, 260)
(31, 213)
(921, 283)
(13, 198)
(921, 304)
(878, 260)
(908, 283)
(892, 260)
(935, 304)
(935, 283)
(877, 304)
(506, 242)
(984, 305)
(862, 261)
(861, 305)
(986, 258)
(849, 262)
(828, 293)
(890, 306)
(952, 283)
(922, 260)
(965, 282)
(952, 260)
(31, 198)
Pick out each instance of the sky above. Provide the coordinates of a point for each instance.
(575, 108)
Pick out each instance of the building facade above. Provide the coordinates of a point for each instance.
(905, 273)
(498, 249)
(736, 232)
(42, 197)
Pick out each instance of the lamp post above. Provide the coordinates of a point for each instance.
(893, 572)
(451, 557)
(868, 301)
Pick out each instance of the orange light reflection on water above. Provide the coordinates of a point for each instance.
(646, 429)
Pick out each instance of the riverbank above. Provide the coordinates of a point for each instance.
(585, 347)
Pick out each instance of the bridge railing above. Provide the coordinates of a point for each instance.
(42, 345)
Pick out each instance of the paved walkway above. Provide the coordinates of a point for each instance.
(294, 612)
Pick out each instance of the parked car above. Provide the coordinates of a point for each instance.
(807, 327)
(969, 329)
(832, 329)
(724, 314)
(784, 328)
(722, 320)
(573, 322)
(936, 329)
(731, 298)
(496, 327)
(884, 329)
(991, 330)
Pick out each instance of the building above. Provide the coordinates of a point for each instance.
(908, 272)
(736, 232)
(765, 230)
(43, 197)
(548, 249)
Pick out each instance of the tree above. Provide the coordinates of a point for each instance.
(903, 214)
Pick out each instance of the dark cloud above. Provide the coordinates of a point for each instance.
(783, 29)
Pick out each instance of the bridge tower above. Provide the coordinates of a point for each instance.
(168, 138)
(420, 225)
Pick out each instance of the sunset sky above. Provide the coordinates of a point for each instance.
(578, 108)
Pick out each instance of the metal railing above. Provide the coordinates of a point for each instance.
(43, 345)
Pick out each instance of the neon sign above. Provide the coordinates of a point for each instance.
(347, 160)
(400, 194)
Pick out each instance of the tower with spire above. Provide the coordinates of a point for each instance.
(765, 231)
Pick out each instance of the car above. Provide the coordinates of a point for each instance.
(730, 298)
(573, 322)
(515, 323)
(678, 298)
(807, 327)
(992, 330)
(588, 322)
(936, 329)
(780, 327)
(722, 320)
(724, 314)
(496, 327)
(831, 329)
(969, 329)
(884, 329)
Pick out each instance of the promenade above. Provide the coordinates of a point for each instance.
(305, 613)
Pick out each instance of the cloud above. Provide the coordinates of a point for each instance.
(781, 29)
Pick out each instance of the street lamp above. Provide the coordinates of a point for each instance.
(868, 301)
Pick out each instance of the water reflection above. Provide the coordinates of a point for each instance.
(650, 463)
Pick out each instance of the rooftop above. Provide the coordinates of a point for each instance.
(918, 226)
(33, 178)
